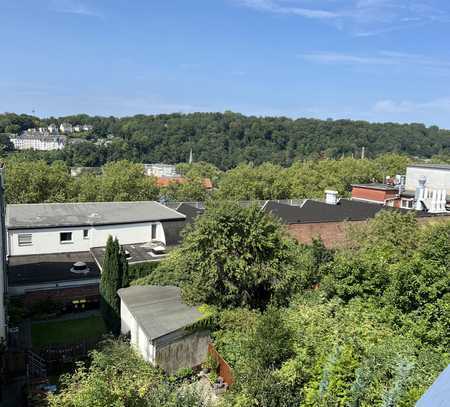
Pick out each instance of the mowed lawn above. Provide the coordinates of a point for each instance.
(67, 332)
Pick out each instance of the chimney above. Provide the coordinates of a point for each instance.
(331, 197)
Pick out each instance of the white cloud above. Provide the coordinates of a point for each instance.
(386, 58)
(73, 7)
(360, 17)
(389, 106)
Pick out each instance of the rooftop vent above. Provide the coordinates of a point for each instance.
(80, 268)
(331, 197)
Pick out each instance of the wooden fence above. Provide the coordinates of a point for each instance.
(225, 371)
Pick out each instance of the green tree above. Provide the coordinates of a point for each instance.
(110, 282)
(124, 269)
(233, 256)
(36, 181)
(126, 181)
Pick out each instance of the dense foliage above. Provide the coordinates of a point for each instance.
(364, 325)
(32, 181)
(118, 376)
(374, 334)
(227, 139)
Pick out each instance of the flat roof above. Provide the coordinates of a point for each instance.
(138, 253)
(378, 186)
(46, 268)
(159, 310)
(49, 215)
(432, 166)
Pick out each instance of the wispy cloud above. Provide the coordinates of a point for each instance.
(389, 106)
(74, 7)
(381, 58)
(360, 17)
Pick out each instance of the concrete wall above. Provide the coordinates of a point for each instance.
(436, 178)
(186, 351)
(46, 241)
(138, 339)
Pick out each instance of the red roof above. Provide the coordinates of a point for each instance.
(166, 181)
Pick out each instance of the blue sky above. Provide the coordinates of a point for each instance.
(378, 60)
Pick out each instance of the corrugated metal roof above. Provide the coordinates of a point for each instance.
(49, 215)
(438, 395)
(158, 310)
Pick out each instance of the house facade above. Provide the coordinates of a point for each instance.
(39, 141)
(66, 128)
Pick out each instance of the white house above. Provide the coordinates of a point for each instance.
(56, 246)
(51, 228)
(53, 128)
(156, 319)
(66, 128)
(38, 141)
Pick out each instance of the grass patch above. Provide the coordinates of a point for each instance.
(67, 332)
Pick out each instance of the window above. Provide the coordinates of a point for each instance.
(153, 236)
(85, 233)
(65, 237)
(25, 239)
(407, 203)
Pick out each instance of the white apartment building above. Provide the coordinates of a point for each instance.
(39, 141)
(160, 170)
(437, 176)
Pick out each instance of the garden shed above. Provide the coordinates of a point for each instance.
(156, 318)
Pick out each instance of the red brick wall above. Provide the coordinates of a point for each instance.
(377, 195)
(333, 234)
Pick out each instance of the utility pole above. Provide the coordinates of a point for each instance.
(363, 153)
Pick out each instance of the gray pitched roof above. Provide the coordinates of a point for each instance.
(158, 310)
(48, 215)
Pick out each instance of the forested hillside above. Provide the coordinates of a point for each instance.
(227, 139)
